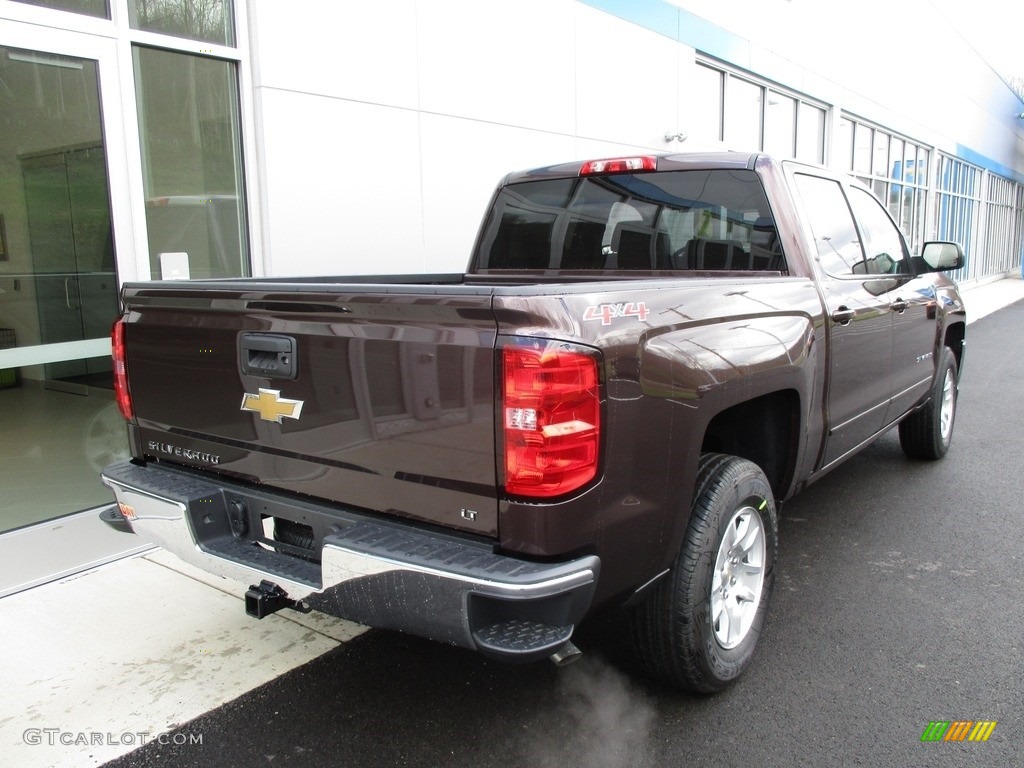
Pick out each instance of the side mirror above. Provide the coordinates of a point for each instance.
(941, 256)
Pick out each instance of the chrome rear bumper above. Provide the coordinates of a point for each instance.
(377, 572)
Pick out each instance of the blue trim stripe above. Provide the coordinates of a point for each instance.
(680, 25)
(656, 16)
(684, 27)
(976, 158)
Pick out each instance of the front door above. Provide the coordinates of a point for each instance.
(911, 299)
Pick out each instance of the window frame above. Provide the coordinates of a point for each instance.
(815, 251)
(959, 202)
(239, 55)
(803, 103)
(860, 158)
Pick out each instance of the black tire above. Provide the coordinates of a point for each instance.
(675, 633)
(295, 535)
(927, 433)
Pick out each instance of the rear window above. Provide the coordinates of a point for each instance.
(673, 220)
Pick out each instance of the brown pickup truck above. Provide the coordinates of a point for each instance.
(645, 357)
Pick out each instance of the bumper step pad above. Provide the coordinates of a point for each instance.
(520, 636)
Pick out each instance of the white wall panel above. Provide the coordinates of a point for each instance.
(507, 62)
(342, 186)
(627, 81)
(362, 51)
(463, 161)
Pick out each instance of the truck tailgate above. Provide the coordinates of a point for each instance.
(378, 397)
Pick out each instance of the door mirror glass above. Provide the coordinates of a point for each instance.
(942, 256)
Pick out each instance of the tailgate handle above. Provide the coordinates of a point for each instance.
(269, 355)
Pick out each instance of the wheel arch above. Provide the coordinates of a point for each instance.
(955, 338)
(764, 430)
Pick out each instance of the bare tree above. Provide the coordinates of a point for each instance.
(200, 19)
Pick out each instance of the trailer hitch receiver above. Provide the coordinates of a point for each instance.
(267, 597)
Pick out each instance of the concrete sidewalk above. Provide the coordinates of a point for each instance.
(989, 296)
(100, 663)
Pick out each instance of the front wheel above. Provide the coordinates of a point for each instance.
(927, 433)
(699, 628)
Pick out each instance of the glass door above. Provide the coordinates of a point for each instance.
(58, 288)
(72, 255)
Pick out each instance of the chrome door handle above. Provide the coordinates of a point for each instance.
(900, 305)
(843, 315)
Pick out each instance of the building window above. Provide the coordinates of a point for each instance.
(706, 113)
(810, 133)
(894, 167)
(86, 7)
(1004, 227)
(780, 125)
(742, 124)
(209, 21)
(192, 164)
(957, 206)
(749, 115)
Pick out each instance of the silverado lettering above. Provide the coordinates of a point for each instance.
(167, 449)
(645, 358)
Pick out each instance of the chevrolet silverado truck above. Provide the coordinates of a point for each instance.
(645, 357)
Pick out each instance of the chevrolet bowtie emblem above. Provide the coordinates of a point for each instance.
(271, 406)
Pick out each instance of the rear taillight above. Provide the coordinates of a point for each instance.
(551, 418)
(121, 394)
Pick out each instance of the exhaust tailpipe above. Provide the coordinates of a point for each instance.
(566, 654)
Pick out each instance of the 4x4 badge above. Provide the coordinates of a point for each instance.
(271, 406)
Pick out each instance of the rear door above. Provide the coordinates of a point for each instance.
(378, 398)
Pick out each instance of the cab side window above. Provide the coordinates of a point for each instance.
(835, 233)
(884, 245)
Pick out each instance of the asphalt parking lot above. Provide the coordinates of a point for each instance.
(898, 603)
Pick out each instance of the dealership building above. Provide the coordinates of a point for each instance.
(179, 139)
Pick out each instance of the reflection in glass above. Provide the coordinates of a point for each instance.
(57, 285)
(58, 282)
(189, 125)
(880, 153)
(844, 145)
(743, 115)
(810, 134)
(85, 7)
(705, 114)
(55, 444)
(862, 149)
(883, 244)
(835, 234)
(208, 20)
(922, 173)
(780, 125)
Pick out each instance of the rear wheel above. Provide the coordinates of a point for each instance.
(927, 433)
(699, 628)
